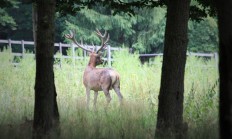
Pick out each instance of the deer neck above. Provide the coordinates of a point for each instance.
(92, 63)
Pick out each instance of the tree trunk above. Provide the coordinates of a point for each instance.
(34, 21)
(46, 115)
(170, 108)
(225, 67)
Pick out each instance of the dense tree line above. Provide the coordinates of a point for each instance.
(143, 32)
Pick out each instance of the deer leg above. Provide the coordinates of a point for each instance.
(108, 97)
(95, 99)
(87, 97)
(117, 90)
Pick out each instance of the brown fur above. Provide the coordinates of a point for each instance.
(100, 79)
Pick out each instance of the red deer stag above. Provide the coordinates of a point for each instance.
(98, 79)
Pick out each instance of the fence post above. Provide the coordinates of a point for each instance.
(216, 59)
(61, 55)
(85, 54)
(108, 56)
(9, 43)
(23, 50)
(73, 54)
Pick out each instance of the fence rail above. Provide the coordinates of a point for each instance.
(60, 46)
(189, 53)
(108, 58)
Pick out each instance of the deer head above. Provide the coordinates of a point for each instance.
(95, 56)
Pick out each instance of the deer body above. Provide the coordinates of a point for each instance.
(98, 79)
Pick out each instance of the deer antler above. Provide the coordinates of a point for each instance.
(102, 37)
(71, 37)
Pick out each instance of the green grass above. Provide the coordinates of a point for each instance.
(139, 86)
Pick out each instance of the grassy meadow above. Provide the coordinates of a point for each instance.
(139, 86)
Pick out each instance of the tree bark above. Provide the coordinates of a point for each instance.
(170, 108)
(225, 67)
(34, 21)
(46, 115)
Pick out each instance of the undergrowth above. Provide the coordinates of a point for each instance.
(139, 86)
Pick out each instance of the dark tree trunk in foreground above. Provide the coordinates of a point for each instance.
(34, 21)
(225, 67)
(46, 115)
(170, 108)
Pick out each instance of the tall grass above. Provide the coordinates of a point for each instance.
(139, 86)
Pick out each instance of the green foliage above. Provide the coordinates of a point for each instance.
(208, 6)
(23, 18)
(123, 6)
(149, 29)
(8, 3)
(16, 21)
(199, 9)
(203, 36)
(139, 86)
(16, 96)
(136, 82)
(6, 21)
(144, 32)
(86, 21)
(201, 98)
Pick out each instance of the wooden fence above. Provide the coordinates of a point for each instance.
(108, 58)
(144, 57)
(209, 55)
(60, 47)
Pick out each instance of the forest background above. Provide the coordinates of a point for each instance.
(143, 32)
